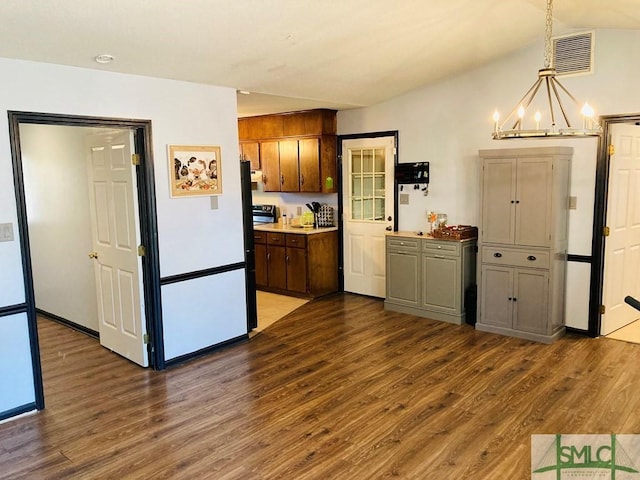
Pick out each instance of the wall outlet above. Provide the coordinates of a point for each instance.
(573, 203)
(214, 202)
(6, 232)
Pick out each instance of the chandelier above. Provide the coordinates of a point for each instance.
(551, 103)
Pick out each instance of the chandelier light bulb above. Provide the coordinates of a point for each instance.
(537, 118)
(587, 110)
(496, 119)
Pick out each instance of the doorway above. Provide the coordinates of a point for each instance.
(141, 131)
(368, 209)
(622, 244)
(606, 197)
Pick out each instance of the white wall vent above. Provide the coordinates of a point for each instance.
(573, 54)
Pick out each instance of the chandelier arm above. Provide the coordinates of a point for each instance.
(564, 114)
(530, 98)
(535, 85)
(567, 92)
(553, 115)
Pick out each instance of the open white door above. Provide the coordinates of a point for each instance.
(622, 246)
(367, 172)
(115, 227)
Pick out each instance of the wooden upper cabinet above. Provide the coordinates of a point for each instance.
(297, 150)
(270, 160)
(250, 151)
(294, 124)
(312, 122)
(289, 173)
(262, 127)
(309, 164)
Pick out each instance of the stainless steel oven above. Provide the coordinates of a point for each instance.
(264, 214)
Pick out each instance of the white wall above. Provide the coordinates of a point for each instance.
(15, 363)
(448, 123)
(191, 235)
(290, 202)
(57, 198)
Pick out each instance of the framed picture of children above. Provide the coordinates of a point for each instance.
(195, 170)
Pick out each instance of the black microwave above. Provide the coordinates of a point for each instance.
(412, 172)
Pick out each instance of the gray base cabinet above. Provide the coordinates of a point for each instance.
(523, 241)
(428, 277)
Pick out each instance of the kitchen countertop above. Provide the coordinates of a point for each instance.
(278, 227)
(408, 234)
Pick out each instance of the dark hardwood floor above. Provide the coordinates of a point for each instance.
(338, 389)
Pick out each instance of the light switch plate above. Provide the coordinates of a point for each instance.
(6, 232)
(573, 203)
(404, 199)
(214, 202)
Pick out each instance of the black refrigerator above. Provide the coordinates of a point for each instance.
(249, 248)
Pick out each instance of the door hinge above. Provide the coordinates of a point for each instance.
(135, 159)
(612, 149)
(145, 339)
(141, 251)
(605, 231)
(602, 309)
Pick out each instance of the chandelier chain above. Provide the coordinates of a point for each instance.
(548, 50)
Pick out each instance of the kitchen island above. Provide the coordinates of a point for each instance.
(429, 276)
(296, 261)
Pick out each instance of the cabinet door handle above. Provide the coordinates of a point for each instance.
(438, 256)
(281, 179)
(389, 228)
(302, 179)
(268, 257)
(497, 255)
(531, 258)
(510, 298)
(515, 299)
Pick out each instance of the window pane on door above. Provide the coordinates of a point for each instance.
(367, 167)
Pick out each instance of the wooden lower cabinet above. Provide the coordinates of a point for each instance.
(297, 264)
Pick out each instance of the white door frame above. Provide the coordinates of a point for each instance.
(341, 138)
(148, 228)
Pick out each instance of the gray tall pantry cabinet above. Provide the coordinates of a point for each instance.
(524, 200)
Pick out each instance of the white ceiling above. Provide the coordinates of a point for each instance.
(294, 54)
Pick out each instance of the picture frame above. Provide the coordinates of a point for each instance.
(195, 170)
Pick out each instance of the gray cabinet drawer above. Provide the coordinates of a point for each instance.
(515, 257)
(435, 247)
(402, 243)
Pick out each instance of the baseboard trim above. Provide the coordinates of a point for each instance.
(205, 351)
(69, 323)
(14, 412)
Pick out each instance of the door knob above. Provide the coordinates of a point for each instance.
(389, 228)
(93, 255)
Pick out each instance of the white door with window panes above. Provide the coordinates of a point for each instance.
(367, 172)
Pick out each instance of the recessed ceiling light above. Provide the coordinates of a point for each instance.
(104, 58)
